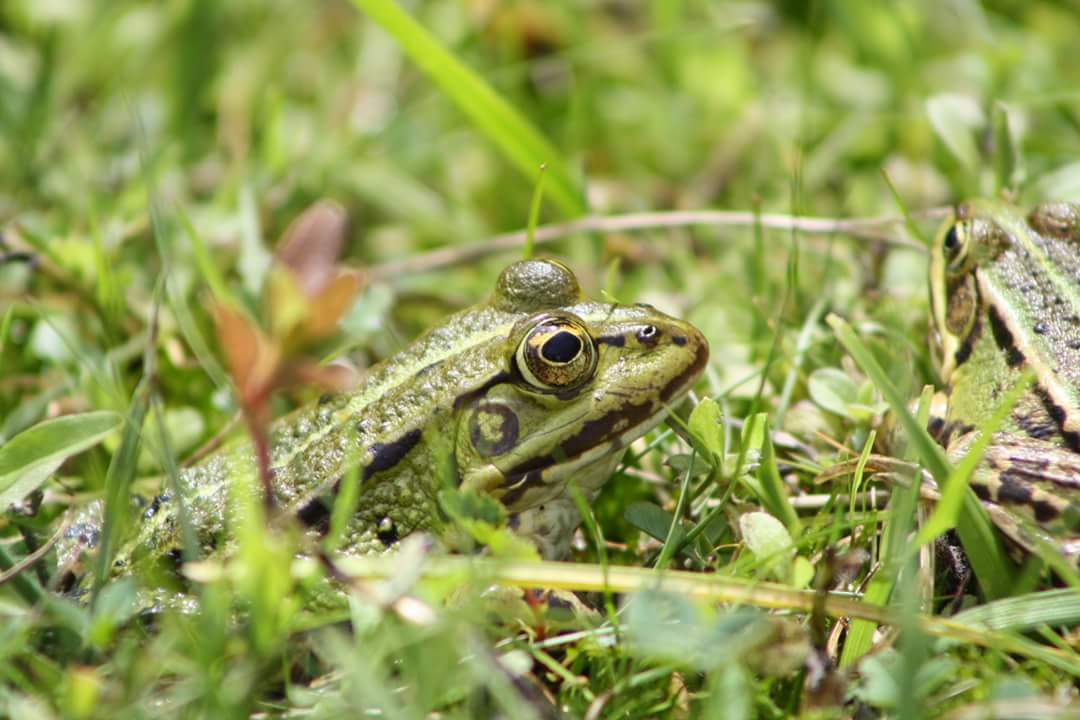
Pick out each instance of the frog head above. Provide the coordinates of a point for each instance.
(970, 240)
(579, 381)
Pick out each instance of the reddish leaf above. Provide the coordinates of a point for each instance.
(333, 302)
(251, 358)
(311, 244)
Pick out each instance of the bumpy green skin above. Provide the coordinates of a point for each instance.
(1006, 301)
(454, 408)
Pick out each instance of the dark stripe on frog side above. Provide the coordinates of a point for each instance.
(1016, 489)
(964, 351)
(1015, 358)
(1059, 416)
(385, 456)
(1004, 339)
(593, 433)
(316, 514)
(944, 431)
(1049, 424)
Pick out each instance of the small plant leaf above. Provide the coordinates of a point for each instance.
(311, 245)
(652, 520)
(705, 425)
(768, 539)
(35, 454)
(832, 389)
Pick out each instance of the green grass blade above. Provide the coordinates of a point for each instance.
(954, 491)
(909, 221)
(774, 492)
(985, 550)
(902, 508)
(118, 480)
(207, 268)
(671, 541)
(534, 213)
(518, 140)
(1023, 612)
(1005, 156)
(189, 540)
(5, 326)
(860, 636)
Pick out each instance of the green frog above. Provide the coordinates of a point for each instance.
(1005, 296)
(515, 397)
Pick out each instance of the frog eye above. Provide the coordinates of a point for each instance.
(955, 243)
(556, 354)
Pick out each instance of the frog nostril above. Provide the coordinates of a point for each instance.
(648, 335)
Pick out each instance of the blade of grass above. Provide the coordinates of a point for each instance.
(5, 326)
(26, 585)
(985, 550)
(774, 495)
(23, 583)
(345, 505)
(110, 298)
(588, 519)
(118, 480)
(909, 221)
(759, 278)
(902, 508)
(534, 214)
(712, 588)
(954, 491)
(167, 458)
(672, 541)
(1004, 149)
(860, 469)
(162, 241)
(521, 143)
(1020, 613)
(210, 273)
(802, 346)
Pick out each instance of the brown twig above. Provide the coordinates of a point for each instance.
(33, 557)
(446, 257)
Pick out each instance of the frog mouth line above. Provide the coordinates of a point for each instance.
(600, 437)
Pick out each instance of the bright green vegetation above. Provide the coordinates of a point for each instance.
(152, 154)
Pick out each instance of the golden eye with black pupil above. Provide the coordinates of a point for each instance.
(557, 354)
(562, 347)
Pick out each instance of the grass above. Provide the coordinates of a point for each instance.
(150, 157)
